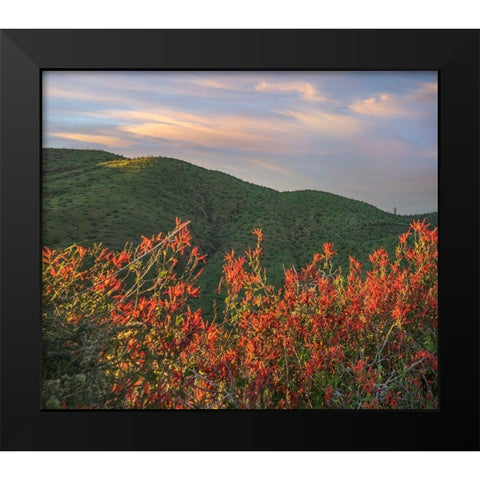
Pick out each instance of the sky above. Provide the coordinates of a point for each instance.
(370, 136)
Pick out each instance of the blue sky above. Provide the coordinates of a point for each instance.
(370, 136)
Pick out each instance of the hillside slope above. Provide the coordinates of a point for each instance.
(91, 196)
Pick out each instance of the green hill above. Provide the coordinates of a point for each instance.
(91, 196)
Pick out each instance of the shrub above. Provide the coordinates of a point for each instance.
(119, 330)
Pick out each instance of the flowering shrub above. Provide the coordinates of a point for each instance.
(119, 331)
(117, 328)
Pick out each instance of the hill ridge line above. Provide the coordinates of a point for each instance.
(280, 192)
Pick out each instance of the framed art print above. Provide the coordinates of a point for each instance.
(244, 239)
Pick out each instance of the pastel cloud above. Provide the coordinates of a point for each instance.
(86, 95)
(107, 140)
(424, 93)
(306, 89)
(326, 123)
(52, 92)
(214, 131)
(405, 104)
(219, 85)
(379, 106)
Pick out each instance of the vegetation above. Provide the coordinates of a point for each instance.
(119, 330)
(92, 196)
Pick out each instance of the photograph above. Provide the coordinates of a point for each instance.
(246, 240)
(239, 240)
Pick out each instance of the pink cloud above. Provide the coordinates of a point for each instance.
(265, 134)
(380, 106)
(383, 105)
(219, 85)
(306, 89)
(425, 93)
(76, 94)
(331, 124)
(107, 140)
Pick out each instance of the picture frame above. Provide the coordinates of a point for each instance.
(453, 53)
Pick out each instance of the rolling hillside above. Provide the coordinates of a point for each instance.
(94, 196)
